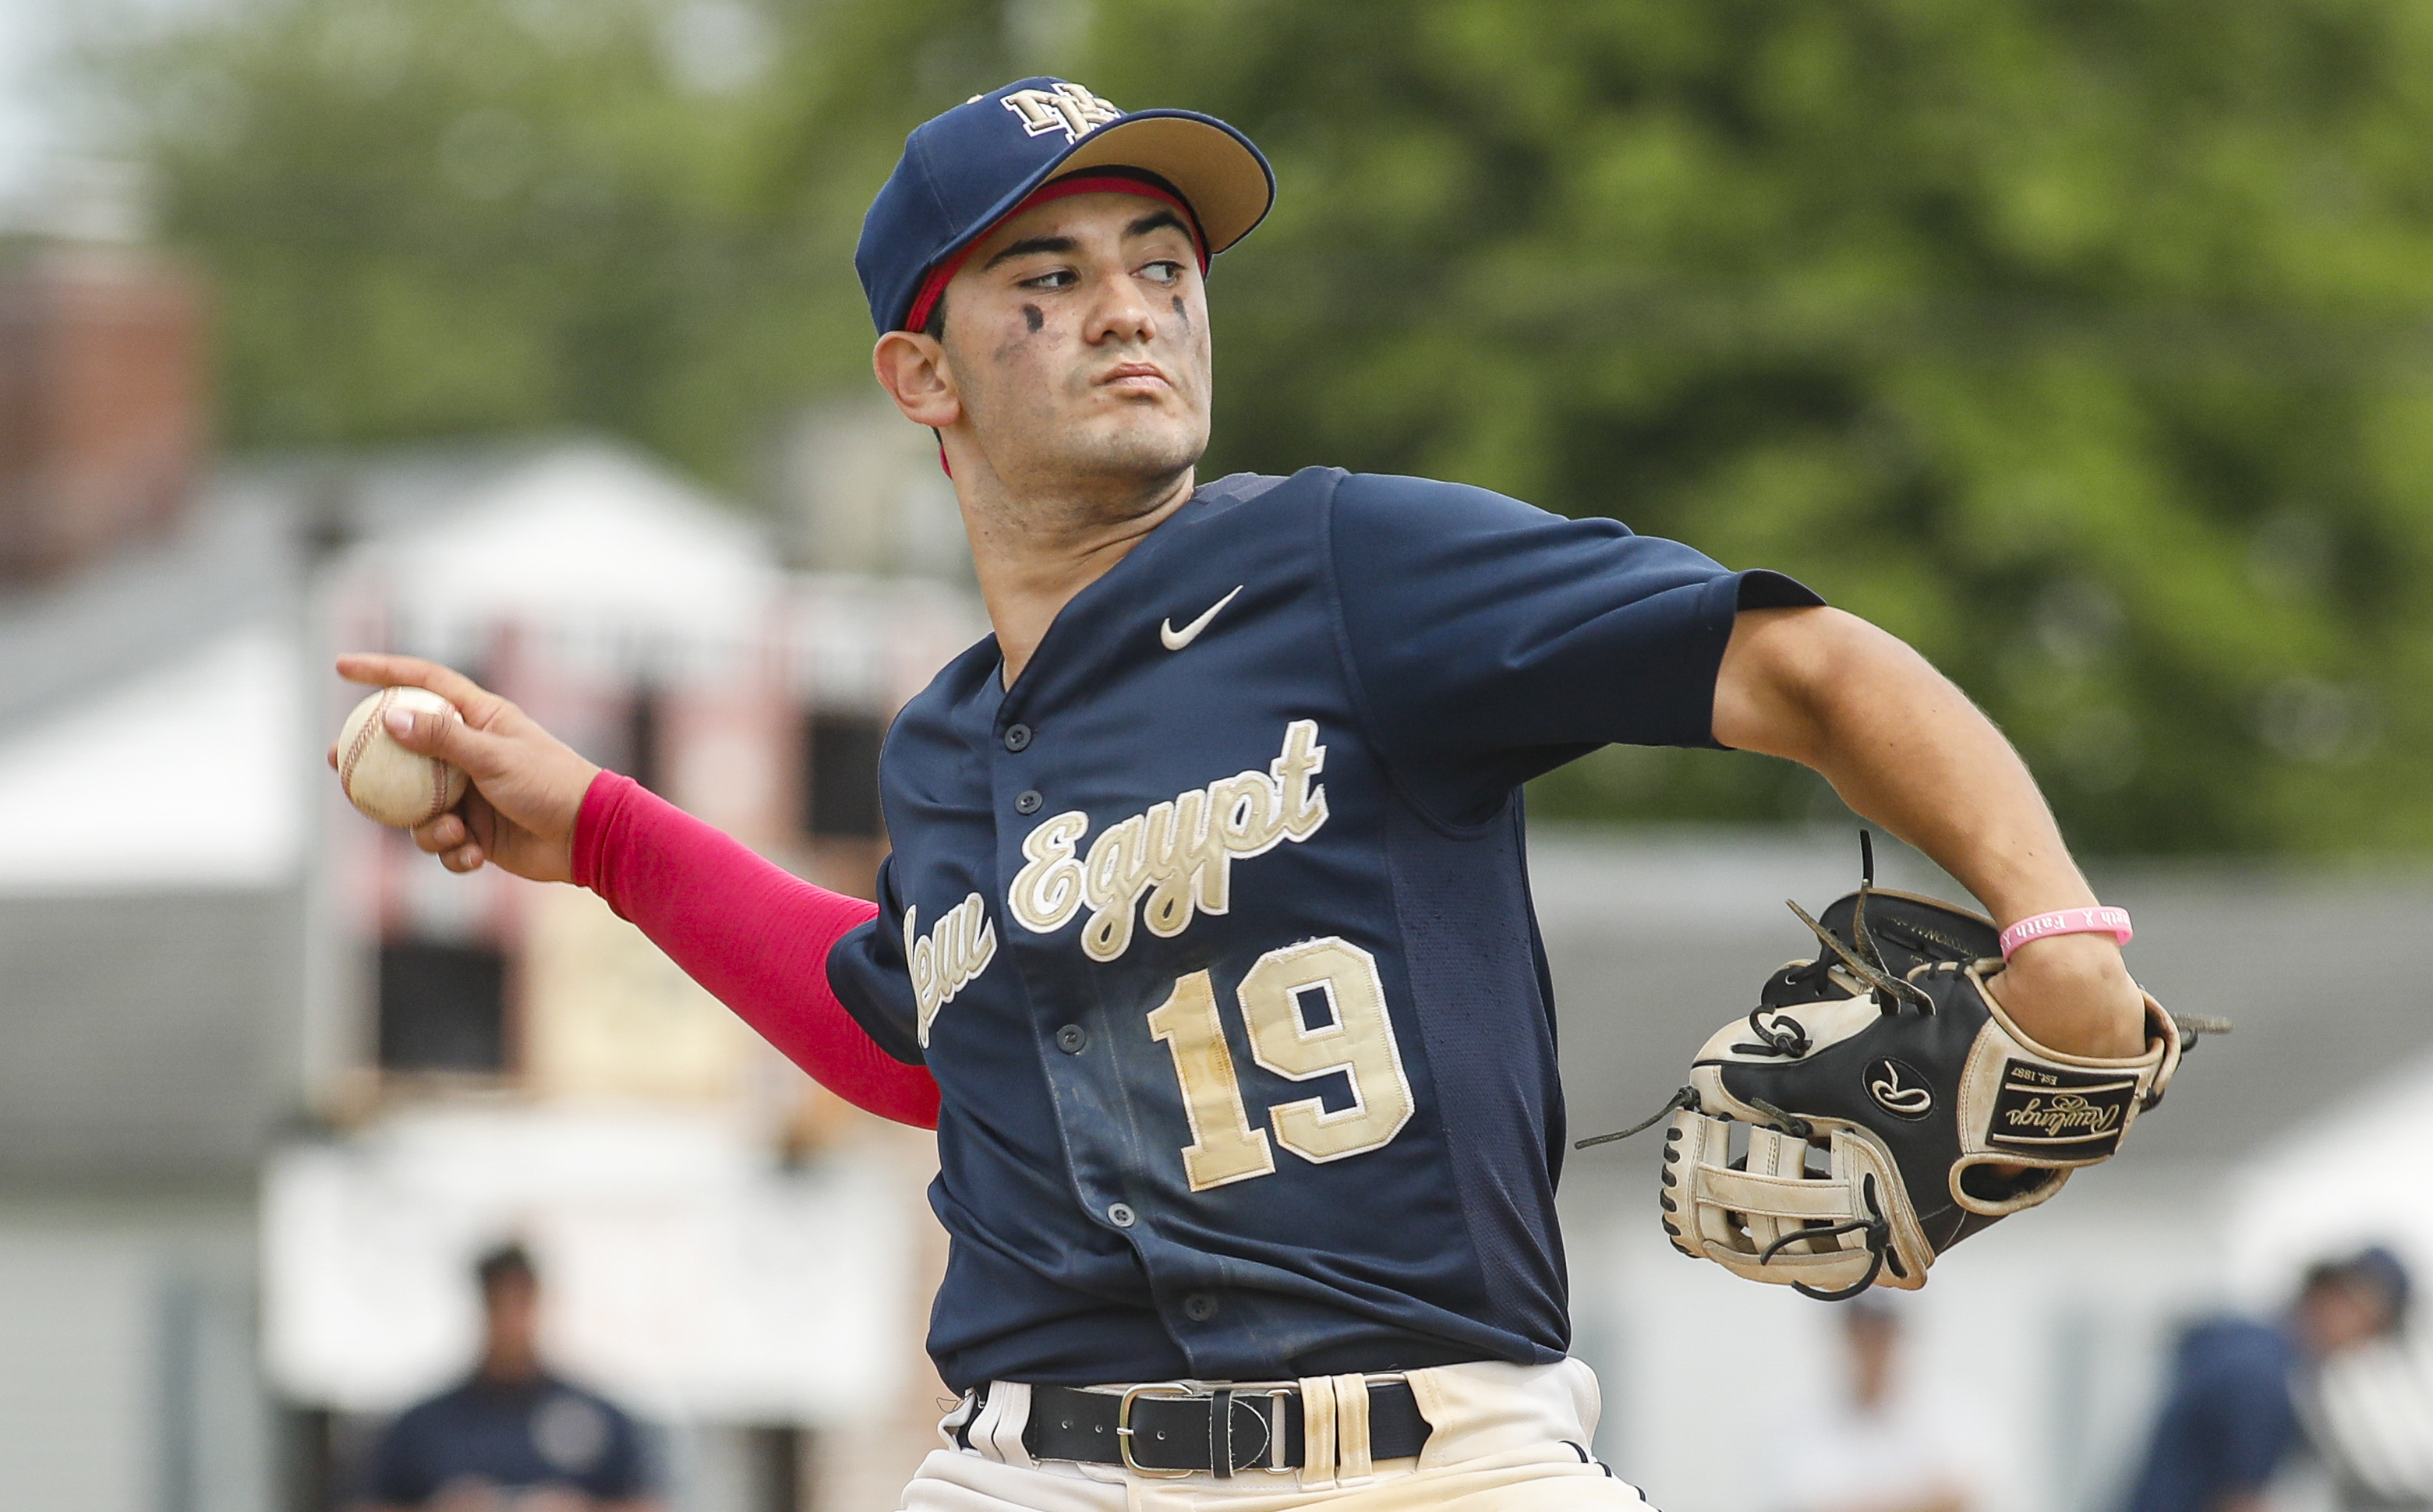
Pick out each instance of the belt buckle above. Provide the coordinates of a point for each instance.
(1124, 1426)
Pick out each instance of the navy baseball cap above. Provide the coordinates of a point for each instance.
(966, 170)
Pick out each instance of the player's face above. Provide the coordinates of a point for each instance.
(2339, 1316)
(1077, 335)
(511, 1307)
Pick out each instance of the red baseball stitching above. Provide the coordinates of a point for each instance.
(364, 734)
(438, 790)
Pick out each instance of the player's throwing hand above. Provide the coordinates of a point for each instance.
(527, 784)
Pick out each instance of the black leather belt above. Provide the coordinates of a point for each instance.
(1174, 1430)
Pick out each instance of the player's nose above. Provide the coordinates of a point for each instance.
(1122, 311)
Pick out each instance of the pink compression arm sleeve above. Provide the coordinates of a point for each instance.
(755, 935)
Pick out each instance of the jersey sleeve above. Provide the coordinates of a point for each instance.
(758, 938)
(1492, 641)
(868, 974)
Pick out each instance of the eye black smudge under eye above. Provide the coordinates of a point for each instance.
(1181, 313)
(1031, 317)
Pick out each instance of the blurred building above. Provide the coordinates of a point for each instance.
(101, 424)
(269, 1077)
(864, 494)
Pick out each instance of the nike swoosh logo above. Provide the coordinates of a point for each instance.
(1175, 639)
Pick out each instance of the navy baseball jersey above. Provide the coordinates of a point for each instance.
(1215, 929)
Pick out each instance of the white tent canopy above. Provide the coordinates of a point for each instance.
(192, 774)
(587, 539)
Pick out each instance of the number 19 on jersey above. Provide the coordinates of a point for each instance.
(1355, 1037)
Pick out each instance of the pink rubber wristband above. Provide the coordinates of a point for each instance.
(2112, 922)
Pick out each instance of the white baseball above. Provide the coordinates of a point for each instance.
(386, 781)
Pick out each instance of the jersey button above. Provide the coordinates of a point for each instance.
(1121, 1216)
(1017, 736)
(1200, 1307)
(1028, 801)
(1071, 1038)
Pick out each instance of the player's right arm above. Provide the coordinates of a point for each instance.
(753, 934)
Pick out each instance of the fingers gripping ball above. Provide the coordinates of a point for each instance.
(389, 783)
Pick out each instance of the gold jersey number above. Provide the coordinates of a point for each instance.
(1358, 1040)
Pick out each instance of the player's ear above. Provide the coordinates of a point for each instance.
(912, 368)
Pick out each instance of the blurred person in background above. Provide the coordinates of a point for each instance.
(2367, 1405)
(1885, 1444)
(2231, 1419)
(513, 1438)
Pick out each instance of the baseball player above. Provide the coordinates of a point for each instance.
(1206, 942)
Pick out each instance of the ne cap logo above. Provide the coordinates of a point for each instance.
(1899, 1088)
(1068, 108)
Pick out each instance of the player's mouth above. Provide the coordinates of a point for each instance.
(1136, 377)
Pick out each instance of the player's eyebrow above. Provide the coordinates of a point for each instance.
(1154, 220)
(1029, 245)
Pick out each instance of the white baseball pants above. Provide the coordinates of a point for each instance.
(1504, 1438)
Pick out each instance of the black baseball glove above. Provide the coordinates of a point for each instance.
(1878, 1106)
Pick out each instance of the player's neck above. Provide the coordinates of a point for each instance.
(1034, 548)
(512, 1368)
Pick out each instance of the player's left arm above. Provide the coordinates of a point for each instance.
(1906, 748)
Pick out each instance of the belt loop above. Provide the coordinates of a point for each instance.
(1280, 1403)
(1220, 1433)
(1318, 1432)
(997, 1427)
(1353, 1463)
(957, 1425)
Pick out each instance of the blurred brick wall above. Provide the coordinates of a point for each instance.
(102, 406)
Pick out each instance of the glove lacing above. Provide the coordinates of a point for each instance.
(1889, 991)
(1776, 1034)
(1878, 1229)
(1686, 1097)
(1780, 1035)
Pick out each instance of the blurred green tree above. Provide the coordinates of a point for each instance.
(2083, 345)
(430, 217)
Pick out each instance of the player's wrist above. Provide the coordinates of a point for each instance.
(2073, 993)
(2088, 958)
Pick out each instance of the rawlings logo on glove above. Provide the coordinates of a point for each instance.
(1878, 1106)
(1898, 1089)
